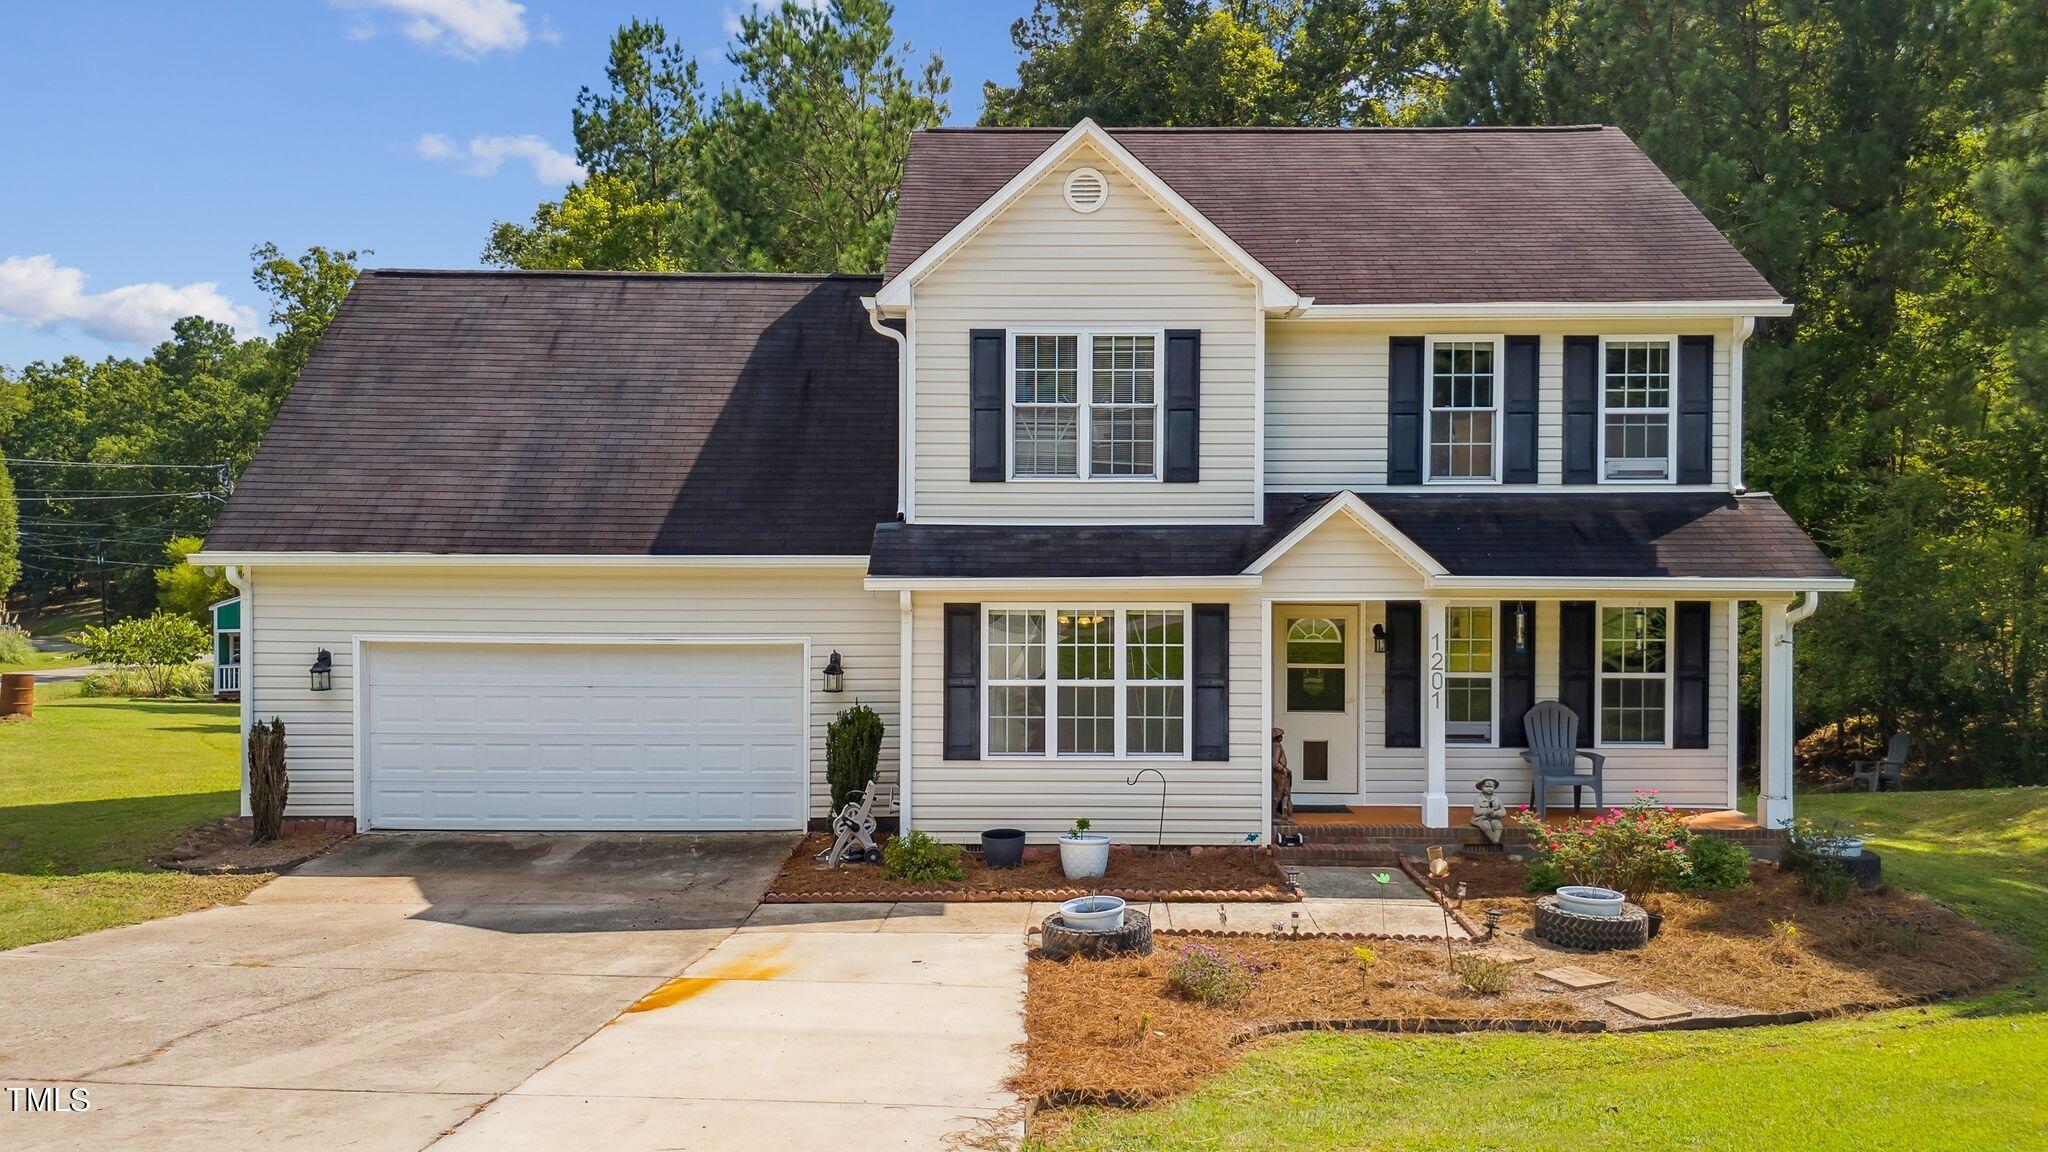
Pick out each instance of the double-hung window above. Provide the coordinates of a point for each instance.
(1469, 670)
(1464, 410)
(1635, 673)
(1636, 409)
(1085, 404)
(1093, 682)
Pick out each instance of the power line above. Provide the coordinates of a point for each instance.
(126, 496)
(15, 460)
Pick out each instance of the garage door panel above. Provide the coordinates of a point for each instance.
(572, 736)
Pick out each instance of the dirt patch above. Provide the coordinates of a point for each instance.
(1114, 1032)
(1134, 873)
(221, 847)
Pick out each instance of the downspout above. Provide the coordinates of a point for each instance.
(1794, 615)
(240, 580)
(1744, 328)
(902, 395)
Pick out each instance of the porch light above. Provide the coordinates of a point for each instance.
(1379, 638)
(1521, 628)
(835, 674)
(323, 671)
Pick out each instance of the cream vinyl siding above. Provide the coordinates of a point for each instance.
(299, 610)
(1208, 802)
(1126, 266)
(1326, 395)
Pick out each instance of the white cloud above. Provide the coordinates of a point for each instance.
(37, 291)
(467, 28)
(732, 15)
(484, 155)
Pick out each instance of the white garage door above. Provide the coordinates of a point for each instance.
(560, 736)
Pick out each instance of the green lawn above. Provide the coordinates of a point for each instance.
(44, 661)
(89, 790)
(1972, 1075)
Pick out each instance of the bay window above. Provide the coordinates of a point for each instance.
(1085, 405)
(1086, 682)
(1636, 409)
(1464, 409)
(1635, 673)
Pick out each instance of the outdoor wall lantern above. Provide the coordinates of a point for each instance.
(323, 671)
(1521, 628)
(1379, 638)
(835, 674)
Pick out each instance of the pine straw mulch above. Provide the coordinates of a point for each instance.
(1232, 874)
(221, 847)
(1110, 1031)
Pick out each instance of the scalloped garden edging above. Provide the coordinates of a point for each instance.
(1289, 895)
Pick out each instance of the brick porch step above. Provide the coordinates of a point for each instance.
(1332, 855)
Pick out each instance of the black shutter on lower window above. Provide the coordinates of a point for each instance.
(986, 459)
(1210, 638)
(1404, 674)
(963, 682)
(1404, 410)
(1582, 410)
(1518, 409)
(1691, 635)
(1183, 405)
(1695, 410)
(1517, 670)
(1576, 645)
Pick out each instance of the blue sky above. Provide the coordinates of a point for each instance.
(148, 146)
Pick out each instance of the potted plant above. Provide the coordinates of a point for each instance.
(1083, 854)
(1093, 914)
(1002, 847)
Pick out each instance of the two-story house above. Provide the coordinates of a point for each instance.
(1146, 445)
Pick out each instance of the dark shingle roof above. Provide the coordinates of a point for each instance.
(1390, 216)
(603, 413)
(1093, 552)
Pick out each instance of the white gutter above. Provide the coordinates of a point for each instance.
(513, 560)
(1553, 310)
(1805, 608)
(240, 580)
(902, 397)
(1745, 586)
(1036, 584)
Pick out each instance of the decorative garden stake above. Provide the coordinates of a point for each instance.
(1382, 879)
(1160, 842)
(1493, 913)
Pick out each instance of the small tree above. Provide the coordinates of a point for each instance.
(188, 589)
(853, 746)
(156, 646)
(268, 784)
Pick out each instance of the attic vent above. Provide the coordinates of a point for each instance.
(1087, 190)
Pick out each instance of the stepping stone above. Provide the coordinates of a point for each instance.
(1649, 1007)
(1575, 977)
(1505, 956)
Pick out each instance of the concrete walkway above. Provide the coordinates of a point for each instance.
(814, 1028)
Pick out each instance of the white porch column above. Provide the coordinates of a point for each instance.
(904, 679)
(1436, 805)
(1774, 752)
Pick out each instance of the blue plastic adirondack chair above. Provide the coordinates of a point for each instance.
(1553, 755)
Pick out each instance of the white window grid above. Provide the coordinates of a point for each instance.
(1106, 428)
(1068, 695)
(1645, 662)
(1466, 419)
(1472, 670)
(1638, 403)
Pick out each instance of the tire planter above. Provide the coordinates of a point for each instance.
(1056, 941)
(1093, 913)
(1568, 929)
(1867, 868)
(1002, 847)
(1585, 901)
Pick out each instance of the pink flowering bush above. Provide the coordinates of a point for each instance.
(1638, 850)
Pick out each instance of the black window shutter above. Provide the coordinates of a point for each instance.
(986, 459)
(1582, 410)
(1404, 674)
(1519, 409)
(963, 682)
(1691, 632)
(1183, 405)
(1404, 410)
(1517, 671)
(1211, 638)
(1575, 655)
(1696, 410)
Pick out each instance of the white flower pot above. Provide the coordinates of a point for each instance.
(1841, 847)
(1085, 856)
(1093, 914)
(1590, 901)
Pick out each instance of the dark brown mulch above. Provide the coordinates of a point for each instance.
(221, 847)
(1241, 873)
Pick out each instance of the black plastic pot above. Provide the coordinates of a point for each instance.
(1002, 847)
(1656, 924)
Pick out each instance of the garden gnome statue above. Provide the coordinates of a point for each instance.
(1283, 782)
(1488, 811)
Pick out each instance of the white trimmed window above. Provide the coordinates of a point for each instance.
(1085, 416)
(1469, 673)
(1464, 410)
(1635, 673)
(1086, 682)
(1636, 409)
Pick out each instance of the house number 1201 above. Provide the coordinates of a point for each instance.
(1436, 668)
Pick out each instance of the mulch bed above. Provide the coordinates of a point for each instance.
(1112, 1032)
(1207, 874)
(221, 848)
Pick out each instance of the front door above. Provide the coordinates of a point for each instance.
(1317, 697)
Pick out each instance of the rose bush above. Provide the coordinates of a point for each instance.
(1636, 850)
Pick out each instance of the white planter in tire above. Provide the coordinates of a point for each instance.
(1588, 901)
(1084, 855)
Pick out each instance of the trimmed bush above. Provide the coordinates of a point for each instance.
(853, 746)
(189, 682)
(268, 785)
(14, 647)
(919, 859)
(1717, 865)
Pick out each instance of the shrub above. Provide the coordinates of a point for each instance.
(1544, 876)
(155, 646)
(187, 681)
(1880, 931)
(14, 647)
(1484, 975)
(1366, 957)
(268, 784)
(919, 859)
(1637, 850)
(853, 746)
(1717, 865)
(1213, 976)
(1827, 881)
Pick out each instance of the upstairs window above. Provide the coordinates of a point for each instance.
(1085, 416)
(1464, 410)
(1635, 410)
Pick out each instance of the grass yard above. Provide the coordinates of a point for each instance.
(89, 791)
(45, 661)
(1969, 1075)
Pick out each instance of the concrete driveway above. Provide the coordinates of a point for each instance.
(375, 999)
